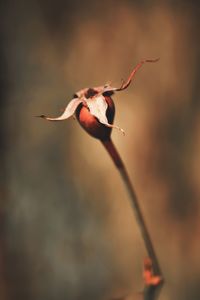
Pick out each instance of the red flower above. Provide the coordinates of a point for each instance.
(94, 107)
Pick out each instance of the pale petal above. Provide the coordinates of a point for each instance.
(98, 106)
(68, 112)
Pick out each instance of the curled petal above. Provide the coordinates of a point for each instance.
(125, 84)
(98, 106)
(137, 67)
(68, 112)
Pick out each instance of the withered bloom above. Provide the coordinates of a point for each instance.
(94, 107)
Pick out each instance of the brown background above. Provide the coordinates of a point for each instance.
(67, 229)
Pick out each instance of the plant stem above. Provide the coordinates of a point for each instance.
(109, 146)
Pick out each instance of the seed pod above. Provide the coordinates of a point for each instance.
(91, 124)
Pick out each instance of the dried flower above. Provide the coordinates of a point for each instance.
(95, 109)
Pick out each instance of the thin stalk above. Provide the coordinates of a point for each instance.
(110, 147)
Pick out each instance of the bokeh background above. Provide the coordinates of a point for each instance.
(67, 230)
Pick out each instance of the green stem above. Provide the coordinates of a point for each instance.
(109, 146)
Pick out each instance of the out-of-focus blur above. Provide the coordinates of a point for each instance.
(67, 228)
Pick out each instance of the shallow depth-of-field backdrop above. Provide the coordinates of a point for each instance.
(67, 231)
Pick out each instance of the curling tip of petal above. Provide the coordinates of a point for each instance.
(152, 60)
(41, 116)
(120, 129)
(123, 132)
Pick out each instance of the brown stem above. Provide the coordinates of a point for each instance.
(109, 146)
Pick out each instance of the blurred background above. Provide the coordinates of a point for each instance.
(67, 230)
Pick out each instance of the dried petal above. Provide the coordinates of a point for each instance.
(68, 112)
(98, 106)
(108, 88)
